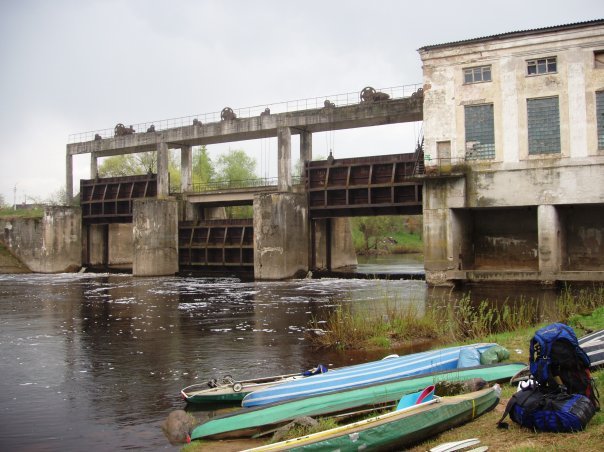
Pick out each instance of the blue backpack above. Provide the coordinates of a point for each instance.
(549, 412)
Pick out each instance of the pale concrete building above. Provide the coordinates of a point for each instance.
(514, 153)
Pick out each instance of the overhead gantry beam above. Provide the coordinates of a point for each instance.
(304, 122)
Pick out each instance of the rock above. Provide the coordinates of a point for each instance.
(177, 427)
(305, 421)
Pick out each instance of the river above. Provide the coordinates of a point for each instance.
(96, 361)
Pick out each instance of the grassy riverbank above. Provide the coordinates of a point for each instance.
(446, 321)
(511, 326)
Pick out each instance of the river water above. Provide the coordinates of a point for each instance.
(96, 361)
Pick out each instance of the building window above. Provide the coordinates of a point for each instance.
(600, 119)
(480, 132)
(543, 125)
(599, 59)
(541, 66)
(477, 74)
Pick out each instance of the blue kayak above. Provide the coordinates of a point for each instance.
(362, 375)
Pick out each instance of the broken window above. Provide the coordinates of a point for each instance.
(477, 74)
(600, 119)
(541, 66)
(480, 132)
(543, 125)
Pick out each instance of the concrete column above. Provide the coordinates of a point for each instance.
(186, 168)
(305, 150)
(281, 236)
(155, 237)
(69, 177)
(548, 229)
(284, 155)
(94, 169)
(335, 233)
(163, 178)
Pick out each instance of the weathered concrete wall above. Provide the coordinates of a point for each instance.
(583, 228)
(155, 237)
(281, 236)
(342, 253)
(96, 234)
(120, 244)
(51, 244)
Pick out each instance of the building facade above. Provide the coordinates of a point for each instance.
(514, 154)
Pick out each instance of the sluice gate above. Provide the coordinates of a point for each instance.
(217, 245)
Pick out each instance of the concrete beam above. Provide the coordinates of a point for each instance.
(365, 114)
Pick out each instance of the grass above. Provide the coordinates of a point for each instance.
(446, 321)
(9, 212)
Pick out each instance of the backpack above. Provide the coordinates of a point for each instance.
(558, 363)
(549, 412)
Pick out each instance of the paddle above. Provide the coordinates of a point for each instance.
(415, 399)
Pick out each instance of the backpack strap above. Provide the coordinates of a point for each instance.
(520, 398)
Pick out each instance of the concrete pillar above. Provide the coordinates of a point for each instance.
(94, 169)
(548, 229)
(305, 151)
(69, 177)
(186, 168)
(335, 233)
(96, 243)
(284, 155)
(163, 177)
(281, 236)
(155, 237)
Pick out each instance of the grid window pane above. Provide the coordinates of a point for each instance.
(600, 118)
(468, 76)
(543, 125)
(541, 66)
(477, 74)
(480, 132)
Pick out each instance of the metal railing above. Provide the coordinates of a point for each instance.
(240, 184)
(338, 100)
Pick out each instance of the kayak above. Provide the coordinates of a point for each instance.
(230, 390)
(254, 421)
(397, 429)
(362, 375)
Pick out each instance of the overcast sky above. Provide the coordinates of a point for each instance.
(76, 66)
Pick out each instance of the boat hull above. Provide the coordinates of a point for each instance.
(247, 422)
(362, 375)
(398, 429)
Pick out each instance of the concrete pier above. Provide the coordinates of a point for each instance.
(280, 236)
(155, 237)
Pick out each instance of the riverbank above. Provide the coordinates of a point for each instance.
(516, 438)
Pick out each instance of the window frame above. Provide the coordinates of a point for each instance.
(543, 62)
(472, 72)
(533, 139)
(480, 150)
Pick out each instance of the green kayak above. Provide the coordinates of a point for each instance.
(248, 422)
(397, 429)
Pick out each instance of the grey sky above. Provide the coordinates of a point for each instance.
(75, 66)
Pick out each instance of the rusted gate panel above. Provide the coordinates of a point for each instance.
(380, 185)
(109, 199)
(216, 244)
